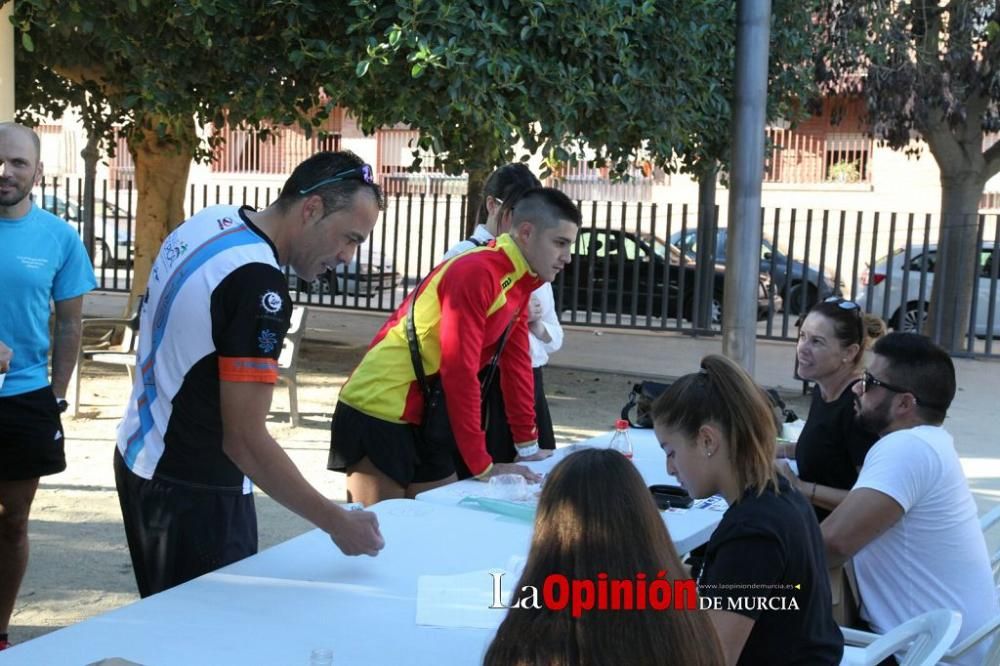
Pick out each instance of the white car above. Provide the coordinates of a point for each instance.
(355, 279)
(114, 228)
(907, 312)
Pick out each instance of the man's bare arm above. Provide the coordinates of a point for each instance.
(66, 342)
(860, 519)
(248, 444)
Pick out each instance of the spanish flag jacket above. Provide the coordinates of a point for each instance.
(460, 312)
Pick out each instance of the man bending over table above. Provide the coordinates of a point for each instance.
(194, 434)
(461, 310)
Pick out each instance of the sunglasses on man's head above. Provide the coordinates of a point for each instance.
(362, 173)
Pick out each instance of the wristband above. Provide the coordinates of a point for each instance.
(529, 450)
(62, 404)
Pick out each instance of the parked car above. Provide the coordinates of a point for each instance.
(777, 264)
(114, 228)
(907, 312)
(641, 272)
(355, 279)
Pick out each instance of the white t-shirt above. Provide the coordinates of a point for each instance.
(935, 556)
(540, 350)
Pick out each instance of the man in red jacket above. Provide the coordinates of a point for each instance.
(461, 311)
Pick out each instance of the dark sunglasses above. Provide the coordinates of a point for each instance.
(867, 380)
(362, 173)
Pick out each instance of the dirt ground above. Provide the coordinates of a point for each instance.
(79, 562)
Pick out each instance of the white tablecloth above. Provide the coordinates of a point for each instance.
(688, 528)
(279, 605)
(276, 607)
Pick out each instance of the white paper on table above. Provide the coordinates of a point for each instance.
(464, 600)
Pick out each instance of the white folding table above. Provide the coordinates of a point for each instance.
(279, 605)
(689, 528)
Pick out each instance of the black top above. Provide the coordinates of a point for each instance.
(762, 549)
(832, 446)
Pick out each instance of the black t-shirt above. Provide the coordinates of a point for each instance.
(767, 555)
(832, 446)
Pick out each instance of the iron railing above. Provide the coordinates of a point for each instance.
(633, 263)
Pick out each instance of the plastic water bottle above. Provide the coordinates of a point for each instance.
(620, 441)
(321, 657)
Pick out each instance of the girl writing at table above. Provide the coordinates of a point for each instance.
(596, 517)
(764, 567)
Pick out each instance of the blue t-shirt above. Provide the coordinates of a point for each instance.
(41, 260)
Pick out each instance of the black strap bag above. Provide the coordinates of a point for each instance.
(435, 429)
(641, 397)
(644, 393)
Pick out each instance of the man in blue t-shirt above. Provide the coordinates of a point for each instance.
(41, 261)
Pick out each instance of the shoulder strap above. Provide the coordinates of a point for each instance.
(492, 369)
(411, 339)
(414, 344)
(633, 400)
(475, 241)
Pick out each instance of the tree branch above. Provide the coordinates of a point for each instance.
(991, 159)
(80, 74)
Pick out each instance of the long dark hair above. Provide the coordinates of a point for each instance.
(596, 516)
(505, 184)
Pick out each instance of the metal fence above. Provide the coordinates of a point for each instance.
(633, 263)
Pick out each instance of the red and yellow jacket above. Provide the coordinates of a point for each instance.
(462, 309)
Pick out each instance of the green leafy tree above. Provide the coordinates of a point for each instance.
(930, 69)
(477, 77)
(156, 71)
(626, 80)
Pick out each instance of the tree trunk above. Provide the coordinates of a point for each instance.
(477, 178)
(161, 173)
(704, 283)
(956, 265)
(90, 155)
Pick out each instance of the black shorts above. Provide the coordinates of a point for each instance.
(177, 532)
(394, 448)
(31, 436)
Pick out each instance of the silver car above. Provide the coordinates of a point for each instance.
(882, 288)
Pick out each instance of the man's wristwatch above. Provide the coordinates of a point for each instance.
(62, 404)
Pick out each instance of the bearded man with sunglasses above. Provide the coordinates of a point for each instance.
(194, 438)
(910, 521)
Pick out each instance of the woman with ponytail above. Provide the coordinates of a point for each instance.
(764, 568)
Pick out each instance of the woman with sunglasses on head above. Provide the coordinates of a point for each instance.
(596, 516)
(832, 446)
(718, 432)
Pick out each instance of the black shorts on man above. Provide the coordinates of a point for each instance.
(31, 436)
(396, 449)
(178, 531)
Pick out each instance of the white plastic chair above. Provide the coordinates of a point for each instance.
(922, 641)
(986, 522)
(106, 350)
(988, 632)
(288, 359)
